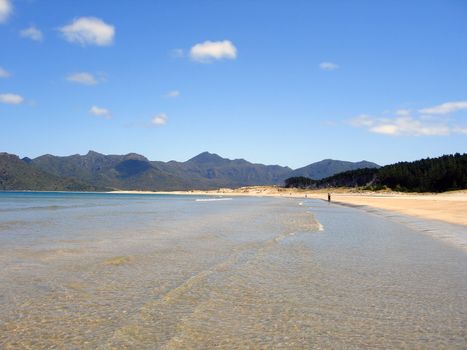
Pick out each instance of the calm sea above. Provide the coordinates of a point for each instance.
(105, 271)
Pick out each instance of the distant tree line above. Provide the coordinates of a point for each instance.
(448, 172)
(300, 182)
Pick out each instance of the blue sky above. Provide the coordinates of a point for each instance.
(276, 82)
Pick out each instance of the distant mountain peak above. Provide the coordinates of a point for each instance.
(9, 155)
(93, 153)
(136, 156)
(206, 157)
(329, 167)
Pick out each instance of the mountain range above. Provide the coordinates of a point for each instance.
(17, 174)
(95, 171)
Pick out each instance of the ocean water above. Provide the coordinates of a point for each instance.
(109, 271)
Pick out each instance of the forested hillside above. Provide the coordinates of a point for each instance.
(448, 172)
(17, 174)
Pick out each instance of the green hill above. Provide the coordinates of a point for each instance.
(129, 172)
(16, 174)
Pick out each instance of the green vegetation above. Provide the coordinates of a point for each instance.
(445, 173)
(352, 178)
(300, 182)
(16, 174)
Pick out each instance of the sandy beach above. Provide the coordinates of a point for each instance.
(444, 207)
(449, 207)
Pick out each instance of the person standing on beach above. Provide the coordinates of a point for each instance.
(329, 197)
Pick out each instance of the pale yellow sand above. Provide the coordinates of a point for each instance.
(449, 206)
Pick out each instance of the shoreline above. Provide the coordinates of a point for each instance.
(447, 207)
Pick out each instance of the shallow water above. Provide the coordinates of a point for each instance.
(100, 271)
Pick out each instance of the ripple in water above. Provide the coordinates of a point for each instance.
(245, 273)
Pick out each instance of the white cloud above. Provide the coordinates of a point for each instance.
(100, 112)
(460, 130)
(213, 50)
(328, 66)
(388, 129)
(172, 94)
(159, 119)
(89, 30)
(5, 10)
(83, 78)
(32, 33)
(11, 99)
(423, 122)
(400, 126)
(4, 73)
(363, 120)
(410, 127)
(445, 108)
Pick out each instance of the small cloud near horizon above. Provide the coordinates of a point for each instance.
(209, 51)
(100, 112)
(328, 66)
(11, 99)
(445, 108)
(89, 31)
(160, 119)
(424, 122)
(6, 9)
(400, 126)
(32, 33)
